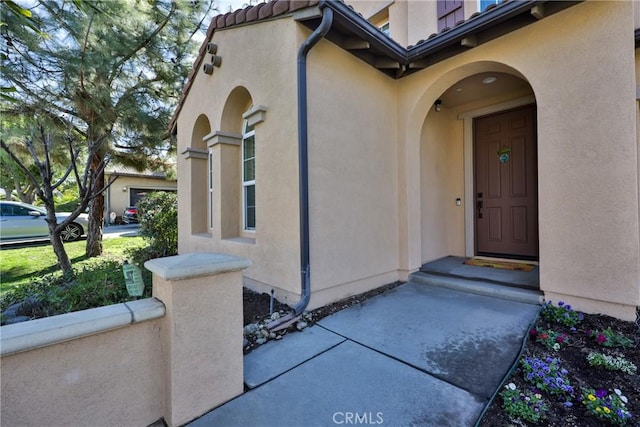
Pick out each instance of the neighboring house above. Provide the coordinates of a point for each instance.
(510, 131)
(130, 186)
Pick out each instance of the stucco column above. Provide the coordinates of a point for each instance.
(201, 332)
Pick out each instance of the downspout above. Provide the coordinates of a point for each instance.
(303, 162)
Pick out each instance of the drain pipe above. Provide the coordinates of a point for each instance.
(303, 162)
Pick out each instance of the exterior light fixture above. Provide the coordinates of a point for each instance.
(438, 105)
(124, 188)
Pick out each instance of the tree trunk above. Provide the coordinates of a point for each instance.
(61, 253)
(96, 214)
(56, 242)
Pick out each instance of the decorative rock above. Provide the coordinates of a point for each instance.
(245, 343)
(272, 335)
(301, 325)
(275, 316)
(261, 341)
(250, 328)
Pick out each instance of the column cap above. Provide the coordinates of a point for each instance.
(196, 264)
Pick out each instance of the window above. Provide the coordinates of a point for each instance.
(248, 176)
(484, 4)
(210, 187)
(385, 29)
(450, 12)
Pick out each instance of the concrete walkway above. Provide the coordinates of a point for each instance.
(418, 355)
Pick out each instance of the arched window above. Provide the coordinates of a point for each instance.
(248, 176)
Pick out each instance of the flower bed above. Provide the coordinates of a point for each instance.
(577, 370)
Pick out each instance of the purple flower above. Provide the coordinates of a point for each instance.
(568, 404)
(560, 303)
(601, 393)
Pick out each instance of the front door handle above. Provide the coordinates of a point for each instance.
(479, 206)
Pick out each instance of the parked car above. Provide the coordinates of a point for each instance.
(130, 215)
(20, 221)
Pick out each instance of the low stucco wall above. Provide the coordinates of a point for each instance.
(132, 364)
(101, 378)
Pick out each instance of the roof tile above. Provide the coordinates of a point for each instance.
(230, 19)
(220, 21)
(241, 16)
(252, 12)
(280, 7)
(266, 11)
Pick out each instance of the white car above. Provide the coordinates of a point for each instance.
(20, 221)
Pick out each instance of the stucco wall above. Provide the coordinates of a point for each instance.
(352, 174)
(442, 177)
(62, 383)
(262, 59)
(376, 174)
(588, 185)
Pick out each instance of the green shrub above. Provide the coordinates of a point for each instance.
(158, 216)
(95, 284)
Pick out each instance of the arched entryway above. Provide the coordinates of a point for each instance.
(478, 168)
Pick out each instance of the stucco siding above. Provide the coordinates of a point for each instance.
(352, 169)
(587, 145)
(262, 59)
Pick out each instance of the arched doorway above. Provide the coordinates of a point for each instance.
(478, 167)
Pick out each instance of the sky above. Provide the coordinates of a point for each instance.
(223, 5)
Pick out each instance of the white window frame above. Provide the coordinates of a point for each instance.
(249, 183)
(210, 187)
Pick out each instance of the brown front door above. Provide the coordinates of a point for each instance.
(506, 184)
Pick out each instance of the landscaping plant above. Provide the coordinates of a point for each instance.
(158, 217)
(612, 363)
(609, 338)
(573, 369)
(561, 314)
(526, 405)
(607, 406)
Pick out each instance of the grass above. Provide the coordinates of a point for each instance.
(20, 265)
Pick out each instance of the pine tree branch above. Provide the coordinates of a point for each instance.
(143, 43)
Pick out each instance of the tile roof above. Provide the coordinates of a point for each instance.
(384, 53)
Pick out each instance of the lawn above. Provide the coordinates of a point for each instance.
(18, 266)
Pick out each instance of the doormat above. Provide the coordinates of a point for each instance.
(500, 264)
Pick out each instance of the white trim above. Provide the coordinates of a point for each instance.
(210, 188)
(245, 184)
(469, 199)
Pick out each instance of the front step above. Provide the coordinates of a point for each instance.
(478, 287)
